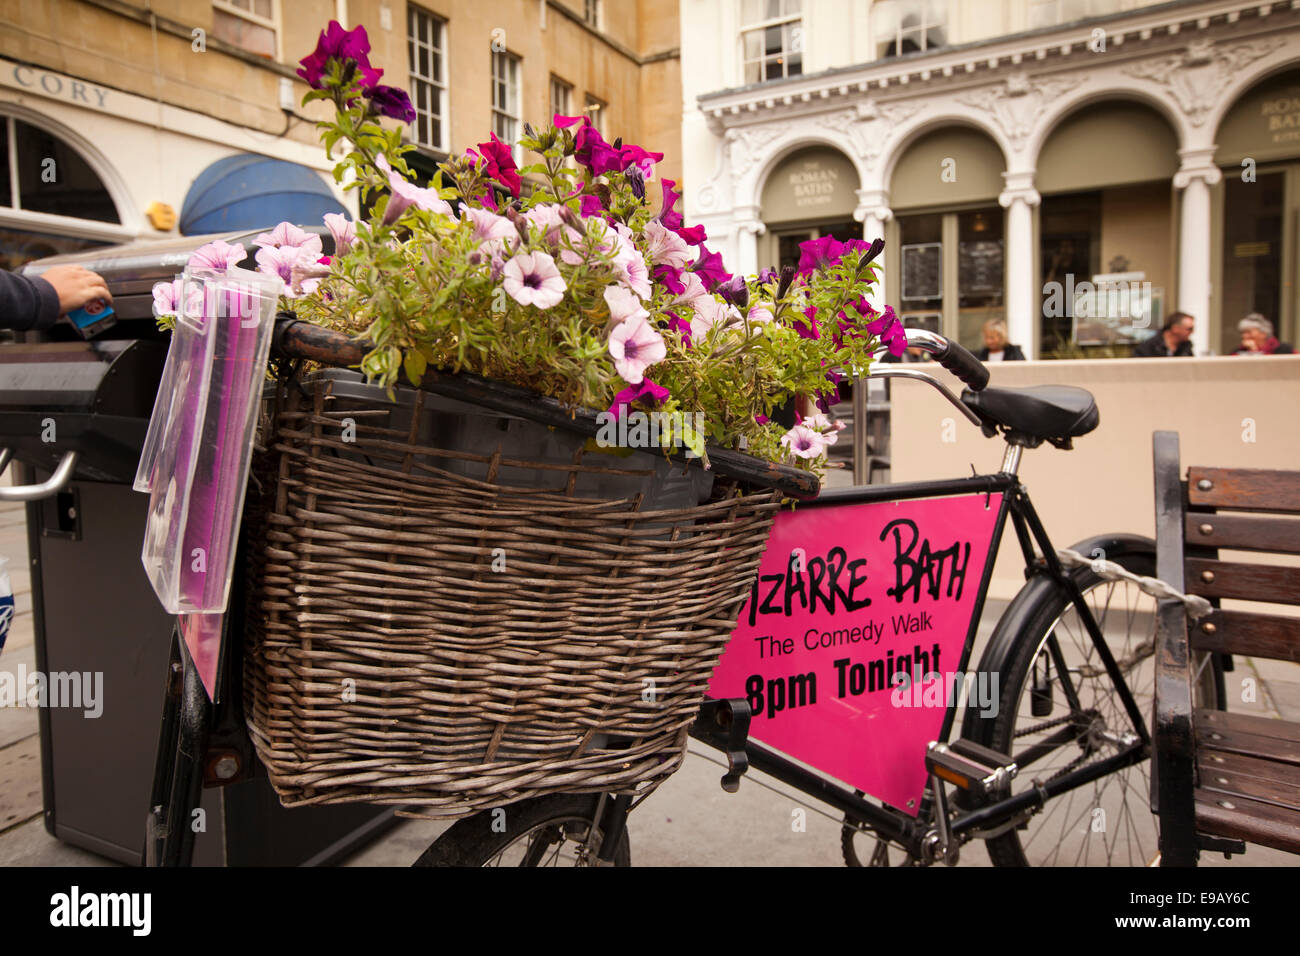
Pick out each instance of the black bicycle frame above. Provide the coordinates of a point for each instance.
(894, 825)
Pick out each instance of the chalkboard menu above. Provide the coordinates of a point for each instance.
(922, 270)
(979, 266)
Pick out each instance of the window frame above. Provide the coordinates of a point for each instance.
(599, 116)
(441, 86)
(559, 83)
(273, 24)
(517, 62)
(589, 8)
(761, 26)
(900, 8)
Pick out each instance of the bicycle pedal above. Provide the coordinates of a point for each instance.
(978, 770)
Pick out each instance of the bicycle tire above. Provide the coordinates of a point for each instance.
(1129, 827)
(490, 837)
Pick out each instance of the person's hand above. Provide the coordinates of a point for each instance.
(76, 286)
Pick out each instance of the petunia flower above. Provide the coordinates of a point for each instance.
(391, 101)
(590, 206)
(500, 164)
(709, 268)
(665, 247)
(817, 254)
(281, 261)
(343, 229)
(808, 330)
(564, 122)
(217, 256)
(549, 219)
(167, 297)
(403, 195)
(635, 346)
(670, 279)
(759, 313)
(531, 278)
(644, 161)
(646, 391)
(287, 234)
(711, 312)
(487, 225)
(631, 267)
(336, 43)
(805, 442)
(623, 304)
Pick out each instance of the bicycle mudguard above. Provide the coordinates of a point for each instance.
(997, 655)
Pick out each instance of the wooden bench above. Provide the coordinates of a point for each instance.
(1219, 779)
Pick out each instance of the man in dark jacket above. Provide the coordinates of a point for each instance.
(1174, 338)
(35, 303)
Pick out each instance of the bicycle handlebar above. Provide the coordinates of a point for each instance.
(951, 356)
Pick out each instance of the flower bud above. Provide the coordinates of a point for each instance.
(787, 277)
(636, 180)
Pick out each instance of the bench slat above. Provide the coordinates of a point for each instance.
(1245, 489)
(1254, 635)
(1248, 582)
(1210, 738)
(1249, 820)
(1243, 532)
(1265, 780)
(1225, 722)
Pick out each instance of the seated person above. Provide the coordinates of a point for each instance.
(1173, 339)
(1257, 337)
(996, 348)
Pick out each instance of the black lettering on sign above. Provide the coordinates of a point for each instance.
(833, 582)
(928, 567)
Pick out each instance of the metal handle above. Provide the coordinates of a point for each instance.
(46, 489)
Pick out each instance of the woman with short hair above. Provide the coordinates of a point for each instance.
(1257, 337)
(996, 348)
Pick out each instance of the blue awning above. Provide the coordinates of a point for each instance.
(254, 192)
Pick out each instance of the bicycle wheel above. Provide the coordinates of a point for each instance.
(544, 831)
(1108, 821)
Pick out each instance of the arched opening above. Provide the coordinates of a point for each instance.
(949, 274)
(809, 194)
(1106, 237)
(1259, 152)
(49, 195)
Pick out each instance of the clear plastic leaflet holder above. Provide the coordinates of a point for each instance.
(200, 440)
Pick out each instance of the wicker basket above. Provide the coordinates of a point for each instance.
(424, 638)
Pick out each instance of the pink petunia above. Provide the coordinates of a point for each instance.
(531, 278)
(287, 234)
(666, 248)
(632, 270)
(343, 229)
(403, 195)
(623, 303)
(281, 261)
(167, 297)
(487, 225)
(646, 391)
(635, 346)
(217, 256)
(805, 442)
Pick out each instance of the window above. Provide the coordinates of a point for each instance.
(40, 173)
(561, 97)
(505, 98)
(591, 13)
(910, 26)
(247, 24)
(426, 50)
(1050, 13)
(595, 110)
(772, 39)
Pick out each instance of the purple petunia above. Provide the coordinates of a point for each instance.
(391, 101)
(645, 391)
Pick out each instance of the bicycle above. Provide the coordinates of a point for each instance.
(1072, 655)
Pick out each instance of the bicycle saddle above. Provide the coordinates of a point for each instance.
(1038, 413)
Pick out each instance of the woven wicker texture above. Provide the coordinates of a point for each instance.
(421, 638)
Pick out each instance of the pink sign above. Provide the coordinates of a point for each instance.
(202, 634)
(849, 647)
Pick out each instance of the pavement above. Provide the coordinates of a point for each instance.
(689, 821)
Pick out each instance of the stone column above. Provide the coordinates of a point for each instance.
(748, 228)
(1195, 177)
(873, 212)
(1020, 295)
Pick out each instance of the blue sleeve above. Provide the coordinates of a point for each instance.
(27, 304)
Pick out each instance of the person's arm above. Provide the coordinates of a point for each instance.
(36, 302)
